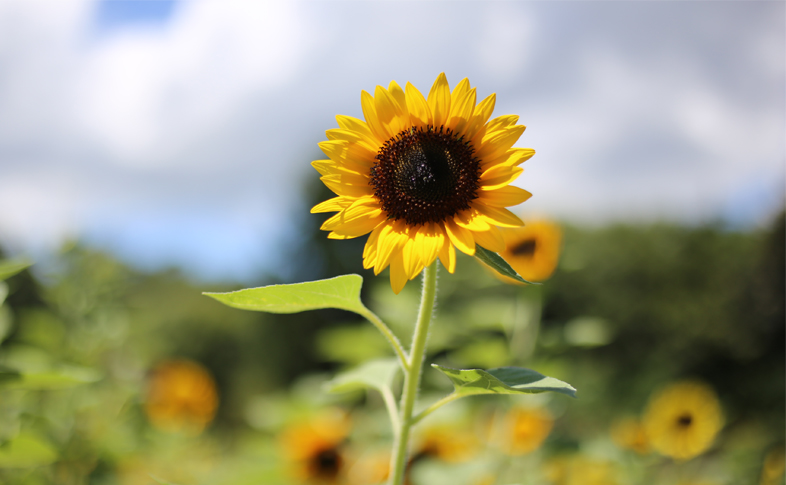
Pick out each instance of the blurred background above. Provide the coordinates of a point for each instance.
(152, 150)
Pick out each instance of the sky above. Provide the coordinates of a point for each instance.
(181, 132)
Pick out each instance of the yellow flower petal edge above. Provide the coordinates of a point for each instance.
(423, 175)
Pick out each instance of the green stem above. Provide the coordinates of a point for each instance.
(449, 398)
(412, 375)
(377, 322)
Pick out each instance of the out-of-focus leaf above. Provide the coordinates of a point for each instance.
(60, 378)
(495, 262)
(342, 292)
(588, 332)
(503, 380)
(10, 267)
(376, 374)
(161, 481)
(351, 345)
(25, 451)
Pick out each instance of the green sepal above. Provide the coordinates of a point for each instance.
(10, 267)
(495, 262)
(503, 380)
(342, 292)
(375, 374)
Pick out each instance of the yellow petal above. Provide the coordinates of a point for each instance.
(370, 249)
(447, 255)
(439, 101)
(498, 216)
(332, 205)
(340, 187)
(387, 111)
(401, 100)
(419, 111)
(504, 196)
(429, 240)
(491, 239)
(411, 254)
(499, 176)
(361, 128)
(362, 209)
(355, 139)
(480, 116)
(389, 241)
(512, 157)
(471, 219)
(361, 226)
(461, 105)
(496, 144)
(460, 237)
(370, 113)
(398, 275)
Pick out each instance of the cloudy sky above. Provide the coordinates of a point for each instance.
(180, 132)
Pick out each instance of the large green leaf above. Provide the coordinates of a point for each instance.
(495, 262)
(376, 374)
(342, 292)
(503, 380)
(26, 450)
(10, 267)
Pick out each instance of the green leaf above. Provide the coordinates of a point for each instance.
(495, 262)
(25, 451)
(342, 292)
(503, 380)
(60, 378)
(10, 267)
(376, 374)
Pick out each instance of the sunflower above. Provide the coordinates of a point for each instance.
(423, 176)
(532, 250)
(181, 396)
(682, 420)
(315, 448)
(522, 430)
(629, 434)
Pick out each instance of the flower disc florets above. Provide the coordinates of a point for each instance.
(425, 175)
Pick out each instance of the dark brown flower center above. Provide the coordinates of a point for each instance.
(326, 464)
(684, 420)
(524, 248)
(425, 175)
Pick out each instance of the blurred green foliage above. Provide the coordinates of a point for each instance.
(630, 309)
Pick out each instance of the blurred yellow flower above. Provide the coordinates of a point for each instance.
(532, 250)
(774, 466)
(181, 396)
(370, 469)
(629, 434)
(314, 448)
(522, 430)
(683, 419)
(578, 470)
(423, 176)
(446, 443)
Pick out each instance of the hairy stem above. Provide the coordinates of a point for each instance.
(412, 375)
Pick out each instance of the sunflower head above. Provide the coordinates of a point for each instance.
(522, 430)
(181, 396)
(683, 419)
(314, 448)
(532, 250)
(422, 176)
